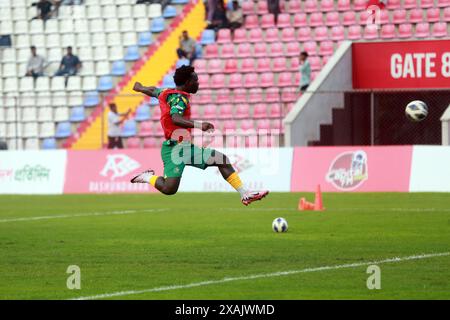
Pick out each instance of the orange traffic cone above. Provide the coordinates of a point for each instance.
(305, 205)
(318, 205)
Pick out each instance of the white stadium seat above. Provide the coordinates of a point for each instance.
(10, 85)
(47, 130)
(52, 26)
(109, 11)
(129, 39)
(39, 41)
(140, 11)
(155, 10)
(7, 26)
(54, 55)
(43, 99)
(23, 55)
(61, 114)
(99, 40)
(102, 68)
(59, 99)
(36, 26)
(32, 144)
(9, 55)
(94, 12)
(115, 53)
(75, 99)
(74, 83)
(68, 40)
(26, 84)
(124, 11)
(42, 84)
(21, 27)
(112, 25)
(89, 83)
(27, 99)
(21, 14)
(96, 26)
(127, 25)
(87, 69)
(79, 12)
(142, 25)
(9, 70)
(14, 130)
(58, 84)
(11, 115)
(82, 26)
(45, 114)
(101, 53)
(67, 26)
(85, 54)
(53, 41)
(30, 130)
(23, 41)
(29, 114)
(114, 39)
(83, 40)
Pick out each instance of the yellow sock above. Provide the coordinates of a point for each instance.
(236, 182)
(153, 180)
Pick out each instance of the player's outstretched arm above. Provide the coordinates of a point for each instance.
(149, 91)
(180, 121)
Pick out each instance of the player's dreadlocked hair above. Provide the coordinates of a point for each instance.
(182, 75)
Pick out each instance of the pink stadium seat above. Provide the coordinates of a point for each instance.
(337, 33)
(300, 20)
(289, 95)
(276, 49)
(229, 126)
(321, 33)
(366, 17)
(224, 36)
(327, 5)
(146, 129)
(218, 81)
(310, 47)
(205, 97)
(409, 4)
(244, 50)
(255, 35)
(440, 29)
(272, 35)
(212, 51)
(227, 51)
(315, 63)
(388, 31)
(277, 125)
(223, 96)
(215, 66)
(292, 49)
(260, 49)
(267, 80)
(285, 79)
(405, 30)
(294, 6)
(267, 21)
(316, 19)
(210, 111)
(310, 6)
(354, 32)
(226, 111)
(399, 16)
(150, 143)
(332, 18)
(284, 20)
(251, 22)
(203, 79)
(263, 64)
(279, 64)
(248, 65)
(255, 95)
(235, 80)
(263, 124)
(433, 15)
(133, 143)
(261, 7)
(272, 95)
(248, 7)
(447, 14)
(427, 3)
(240, 35)
(349, 18)
(304, 34)
(247, 124)
(242, 111)
(384, 17)
(260, 111)
(344, 5)
(275, 110)
(195, 114)
(443, 3)
(371, 32)
(359, 5)
(326, 48)
(325, 59)
(393, 4)
(422, 30)
(231, 66)
(415, 15)
(240, 95)
(200, 65)
(288, 34)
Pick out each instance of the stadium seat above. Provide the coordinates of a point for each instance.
(239, 95)
(208, 37)
(285, 79)
(133, 143)
(399, 16)
(439, 29)
(217, 81)
(310, 47)
(343, 5)
(49, 144)
(405, 30)
(231, 66)
(143, 113)
(215, 66)
(371, 32)
(255, 95)
(349, 18)
(145, 39)
(321, 33)
(235, 80)
(260, 111)
(146, 129)
(255, 35)
(422, 30)
(154, 10)
(337, 33)
(251, 80)
(326, 48)
(77, 114)
(271, 35)
(300, 20)
(332, 19)
(61, 114)
(304, 34)
(260, 49)
(63, 130)
(327, 5)
(129, 128)
(388, 31)
(354, 32)
(210, 111)
(284, 20)
(242, 111)
(415, 15)
(212, 51)
(248, 65)
(150, 143)
(310, 6)
(203, 79)
(91, 99)
(169, 12)
(132, 53)
(446, 14)
(224, 36)
(223, 96)
(226, 111)
(359, 5)
(288, 34)
(443, 3)
(251, 22)
(427, 3)
(158, 25)
(263, 65)
(267, 80)
(261, 7)
(279, 64)
(105, 83)
(433, 14)
(267, 21)
(409, 4)
(228, 50)
(316, 19)
(118, 68)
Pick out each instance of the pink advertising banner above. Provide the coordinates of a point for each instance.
(360, 169)
(109, 171)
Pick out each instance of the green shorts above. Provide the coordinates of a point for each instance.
(176, 156)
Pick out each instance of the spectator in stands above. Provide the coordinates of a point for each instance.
(210, 7)
(219, 19)
(274, 8)
(36, 64)
(70, 64)
(235, 17)
(187, 47)
(44, 8)
(305, 71)
(115, 120)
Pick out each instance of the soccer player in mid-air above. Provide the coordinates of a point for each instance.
(177, 150)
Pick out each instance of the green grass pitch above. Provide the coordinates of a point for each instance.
(141, 242)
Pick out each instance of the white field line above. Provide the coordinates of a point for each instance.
(260, 276)
(89, 214)
(344, 209)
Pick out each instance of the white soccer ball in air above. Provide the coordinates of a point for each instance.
(280, 225)
(416, 110)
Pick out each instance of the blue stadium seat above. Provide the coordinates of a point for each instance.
(158, 25)
(145, 39)
(168, 81)
(199, 51)
(208, 37)
(77, 114)
(169, 12)
(118, 68)
(129, 128)
(179, 1)
(143, 113)
(182, 62)
(91, 99)
(105, 83)
(132, 53)
(49, 144)
(63, 130)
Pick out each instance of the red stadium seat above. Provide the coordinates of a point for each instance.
(326, 48)
(263, 65)
(255, 35)
(248, 65)
(260, 49)
(240, 35)
(294, 6)
(279, 64)
(272, 95)
(146, 129)
(359, 5)
(242, 111)
(235, 80)
(215, 66)
(321, 33)
(267, 80)
(200, 65)
(226, 111)
(203, 79)
(415, 15)
(316, 19)
(433, 15)
(440, 29)
(260, 111)
(251, 22)
(443, 3)
(248, 7)
(354, 32)
(332, 18)
(393, 4)
(310, 6)
(218, 81)
(388, 31)
(212, 51)
(292, 49)
(244, 50)
(337, 33)
(422, 30)
(300, 20)
(285, 79)
(304, 34)
(231, 66)
(405, 30)
(272, 35)
(210, 111)
(288, 34)
(310, 47)
(255, 95)
(150, 143)
(261, 7)
(327, 5)
(399, 16)
(267, 21)
(224, 36)
(409, 4)
(447, 14)
(349, 18)
(371, 32)
(344, 5)
(240, 95)
(427, 3)
(223, 96)
(284, 20)
(227, 51)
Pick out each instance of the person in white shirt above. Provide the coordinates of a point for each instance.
(36, 64)
(115, 120)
